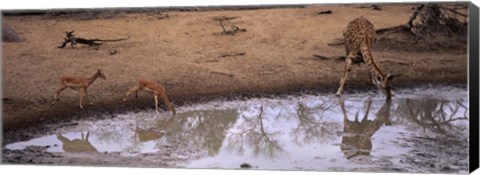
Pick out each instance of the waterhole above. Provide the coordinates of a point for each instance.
(420, 130)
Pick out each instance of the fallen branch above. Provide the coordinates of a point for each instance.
(70, 38)
(232, 54)
(376, 7)
(320, 57)
(211, 61)
(222, 73)
(395, 28)
(325, 12)
(223, 18)
(233, 28)
(454, 11)
(397, 62)
(358, 59)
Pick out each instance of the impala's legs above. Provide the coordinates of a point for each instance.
(167, 103)
(156, 102)
(86, 96)
(133, 89)
(348, 63)
(57, 93)
(81, 98)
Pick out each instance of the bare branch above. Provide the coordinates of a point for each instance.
(414, 15)
(454, 11)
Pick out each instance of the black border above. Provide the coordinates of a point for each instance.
(473, 81)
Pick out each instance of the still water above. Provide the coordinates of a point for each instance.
(420, 130)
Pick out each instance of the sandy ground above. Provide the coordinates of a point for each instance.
(186, 54)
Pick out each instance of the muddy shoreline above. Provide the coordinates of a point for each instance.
(47, 121)
(35, 155)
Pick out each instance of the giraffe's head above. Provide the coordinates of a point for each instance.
(385, 84)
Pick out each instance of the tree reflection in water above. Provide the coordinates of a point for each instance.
(435, 115)
(252, 131)
(442, 142)
(312, 125)
(203, 129)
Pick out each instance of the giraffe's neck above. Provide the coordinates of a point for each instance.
(368, 58)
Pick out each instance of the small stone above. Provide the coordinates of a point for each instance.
(245, 165)
(112, 51)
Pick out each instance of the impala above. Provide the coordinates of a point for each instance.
(77, 83)
(156, 89)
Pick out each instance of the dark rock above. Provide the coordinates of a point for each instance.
(245, 165)
(10, 35)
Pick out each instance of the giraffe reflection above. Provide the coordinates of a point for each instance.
(77, 145)
(357, 135)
